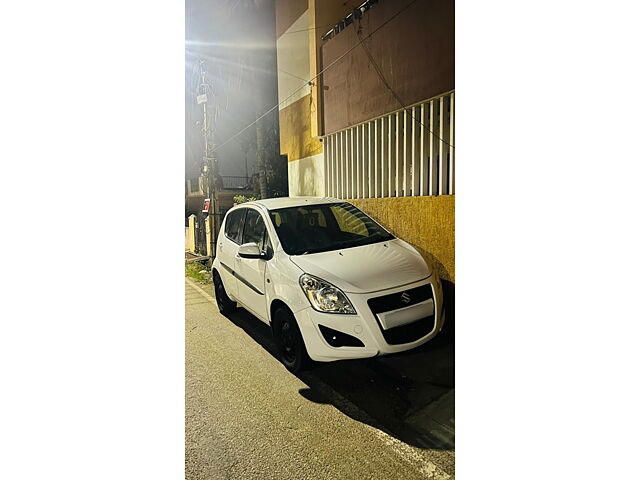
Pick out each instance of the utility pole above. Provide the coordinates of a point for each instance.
(210, 164)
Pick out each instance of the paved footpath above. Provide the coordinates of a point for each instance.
(247, 417)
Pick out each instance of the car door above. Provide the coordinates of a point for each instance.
(250, 272)
(228, 243)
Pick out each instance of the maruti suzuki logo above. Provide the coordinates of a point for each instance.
(405, 297)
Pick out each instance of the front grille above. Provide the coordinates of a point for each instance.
(412, 331)
(394, 301)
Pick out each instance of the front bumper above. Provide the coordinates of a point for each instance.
(364, 326)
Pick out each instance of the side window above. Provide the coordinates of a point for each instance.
(254, 229)
(349, 221)
(267, 243)
(233, 224)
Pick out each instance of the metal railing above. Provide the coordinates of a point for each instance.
(409, 152)
(236, 183)
(197, 186)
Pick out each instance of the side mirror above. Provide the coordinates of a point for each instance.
(250, 250)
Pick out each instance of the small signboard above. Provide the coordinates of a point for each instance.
(201, 98)
(207, 205)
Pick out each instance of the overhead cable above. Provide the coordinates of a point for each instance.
(312, 79)
(386, 84)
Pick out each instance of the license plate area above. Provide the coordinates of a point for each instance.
(403, 316)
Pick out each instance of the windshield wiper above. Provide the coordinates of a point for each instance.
(375, 238)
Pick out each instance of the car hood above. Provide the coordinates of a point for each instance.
(367, 268)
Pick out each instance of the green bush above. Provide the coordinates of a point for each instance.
(243, 199)
(199, 272)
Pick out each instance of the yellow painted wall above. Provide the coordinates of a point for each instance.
(191, 235)
(209, 233)
(295, 130)
(427, 223)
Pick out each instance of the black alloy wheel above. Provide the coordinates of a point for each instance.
(225, 304)
(293, 352)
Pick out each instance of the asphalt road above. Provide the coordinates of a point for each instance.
(247, 417)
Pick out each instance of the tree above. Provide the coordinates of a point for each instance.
(262, 152)
(260, 28)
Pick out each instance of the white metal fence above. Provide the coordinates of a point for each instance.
(406, 153)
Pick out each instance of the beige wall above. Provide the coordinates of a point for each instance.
(427, 223)
(306, 177)
(293, 62)
(287, 12)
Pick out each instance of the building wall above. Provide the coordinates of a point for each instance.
(300, 112)
(351, 92)
(294, 96)
(323, 15)
(427, 223)
(307, 177)
(287, 12)
(296, 140)
(414, 52)
(293, 61)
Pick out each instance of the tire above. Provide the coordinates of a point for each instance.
(291, 347)
(225, 304)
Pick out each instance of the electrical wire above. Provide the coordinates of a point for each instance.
(292, 75)
(306, 29)
(386, 84)
(312, 79)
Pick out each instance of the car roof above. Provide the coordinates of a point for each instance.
(285, 202)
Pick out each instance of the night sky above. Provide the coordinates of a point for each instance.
(237, 39)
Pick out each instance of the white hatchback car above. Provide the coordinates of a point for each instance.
(330, 281)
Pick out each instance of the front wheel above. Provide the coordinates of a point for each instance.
(225, 304)
(293, 352)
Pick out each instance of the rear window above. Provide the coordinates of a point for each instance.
(233, 224)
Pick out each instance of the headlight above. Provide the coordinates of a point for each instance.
(325, 297)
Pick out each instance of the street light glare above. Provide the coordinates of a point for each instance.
(218, 61)
(230, 45)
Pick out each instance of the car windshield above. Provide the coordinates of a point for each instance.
(325, 227)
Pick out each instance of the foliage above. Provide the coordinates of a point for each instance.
(197, 271)
(278, 177)
(242, 199)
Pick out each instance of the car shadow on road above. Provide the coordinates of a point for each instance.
(409, 396)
